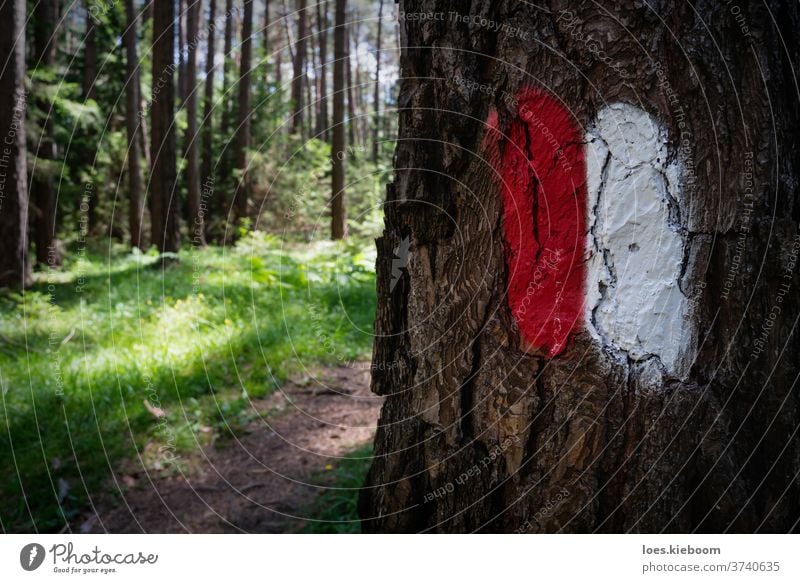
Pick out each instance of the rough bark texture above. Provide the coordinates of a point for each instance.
(243, 127)
(338, 212)
(132, 126)
(196, 223)
(478, 435)
(165, 204)
(14, 268)
(299, 68)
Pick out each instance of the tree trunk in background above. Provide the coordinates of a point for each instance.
(376, 130)
(338, 212)
(322, 74)
(362, 124)
(43, 190)
(195, 219)
(14, 268)
(207, 124)
(352, 125)
(132, 118)
(299, 68)
(265, 41)
(225, 100)
(243, 128)
(165, 206)
(477, 434)
(181, 51)
(89, 58)
(88, 90)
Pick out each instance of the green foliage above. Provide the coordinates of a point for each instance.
(335, 509)
(92, 350)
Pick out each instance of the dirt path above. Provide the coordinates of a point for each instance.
(264, 479)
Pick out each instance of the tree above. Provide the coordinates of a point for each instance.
(89, 79)
(14, 267)
(181, 22)
(322, 77)
(43, 191)
(165, 206)
(132, 101)
(207, 123)
(225, 125)
(299, 67)
(242, 138)
(483, 431)
(265, 39)
(338, 212)
(377, 99)
(196, 214)
(352, 126)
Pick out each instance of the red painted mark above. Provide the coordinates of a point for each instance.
(540, 161)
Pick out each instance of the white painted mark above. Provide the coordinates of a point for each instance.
(634, 304)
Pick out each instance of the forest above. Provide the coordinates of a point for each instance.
(425, 266)
(190, 192)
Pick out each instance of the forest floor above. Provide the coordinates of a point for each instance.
(266, 478)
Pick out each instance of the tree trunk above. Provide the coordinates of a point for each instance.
(44, 193)
(243, 127)
(322, 81)
(196, 225)
(181, 51)
(89, 79)
(225, 126)
(338, 211)
(351, 102)
(481, 430)
(132, 125)
(89, 58)
(299, 68)
(207, 124)
(14, 267)
(165, 207)
(265, 40)
(376, 130)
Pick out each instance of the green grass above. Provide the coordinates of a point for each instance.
(335, 510)
(82, 351)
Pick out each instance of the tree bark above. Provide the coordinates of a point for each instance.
(243, 128)
(132, 119)
(376, 130)
(43, 191)
(165, 206)
(196, 215)
(338, 211)
(322, 82)
(298, 103)
(478, 433)
(14, 268)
